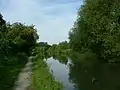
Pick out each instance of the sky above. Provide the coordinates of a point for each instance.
(52, 18)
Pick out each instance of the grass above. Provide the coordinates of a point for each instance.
(10, 70)
(42, 79)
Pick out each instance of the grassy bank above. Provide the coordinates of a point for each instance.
(42, 78)
(10, 70)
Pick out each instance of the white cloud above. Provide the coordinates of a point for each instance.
(53, 21)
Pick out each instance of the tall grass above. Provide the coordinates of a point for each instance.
(42, 79)
(9, 70)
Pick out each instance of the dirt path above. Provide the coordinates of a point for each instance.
(24, 79)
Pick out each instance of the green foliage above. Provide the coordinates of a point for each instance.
(10, 69)
(42, 79)
(43, 44)
(97, 29)
(3, 39)
(16, 37)
(16, 42)
(22, 38)
(62, 47)
(86, 59)
(62, 58)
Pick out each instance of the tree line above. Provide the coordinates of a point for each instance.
(54, 49)
(97, 29)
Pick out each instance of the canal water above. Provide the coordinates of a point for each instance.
(60, 72)
(77, 75)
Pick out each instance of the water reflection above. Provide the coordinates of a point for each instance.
(94, 76)
(77, 74)
(62, 58)
(60, 71)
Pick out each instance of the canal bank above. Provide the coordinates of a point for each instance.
(42, 79)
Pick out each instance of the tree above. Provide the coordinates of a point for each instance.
(16, 37)
(22, 37)
(3, 39)
(97, 29)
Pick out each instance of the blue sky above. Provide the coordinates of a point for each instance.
(52, 18)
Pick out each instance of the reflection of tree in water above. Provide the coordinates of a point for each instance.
(46, 55)
(98, 77)
(62, 59)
